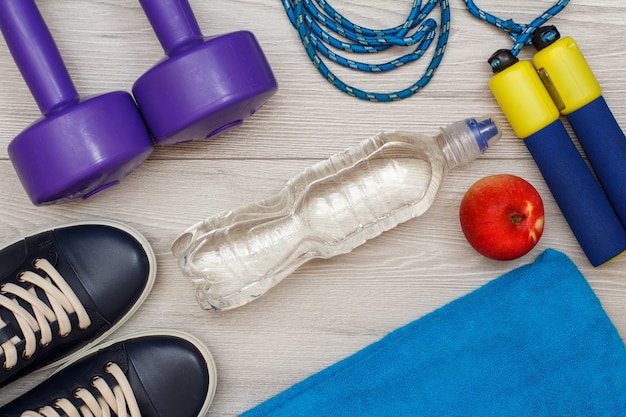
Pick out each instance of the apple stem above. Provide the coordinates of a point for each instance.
(517, 218)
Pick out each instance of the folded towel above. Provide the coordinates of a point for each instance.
(534, 342)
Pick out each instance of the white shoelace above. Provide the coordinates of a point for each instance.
(62, 300)
(120, 400)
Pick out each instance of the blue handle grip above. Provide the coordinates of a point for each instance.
(579, 196)
(605, 145)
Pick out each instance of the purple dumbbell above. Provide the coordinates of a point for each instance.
(79, 146)
(205, 85)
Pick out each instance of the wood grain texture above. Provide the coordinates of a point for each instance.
(327, 309)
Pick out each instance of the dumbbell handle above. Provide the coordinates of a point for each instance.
(36, 55)
(173, 22)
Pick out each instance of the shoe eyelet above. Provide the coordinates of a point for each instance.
(6, 368)
(64, 335)
(76, 392)
(108, 365)
(34, 263)
(20, 276)
(44, 345)
(25, 356)
(95, 379)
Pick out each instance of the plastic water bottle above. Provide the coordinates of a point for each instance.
(329, 209)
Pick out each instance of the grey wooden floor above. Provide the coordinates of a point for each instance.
(327, 309)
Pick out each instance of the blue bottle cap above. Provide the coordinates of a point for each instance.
(484, 131)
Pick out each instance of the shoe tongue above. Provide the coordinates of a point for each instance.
(13, 256)
(19, 258)
(42, 246)
(20, 255)
(9, 329)
(9, 326)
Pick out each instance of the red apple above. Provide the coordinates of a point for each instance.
(502, 216)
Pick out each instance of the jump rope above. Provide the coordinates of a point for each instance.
(323, 31)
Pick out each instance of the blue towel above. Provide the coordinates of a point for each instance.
(534, 342)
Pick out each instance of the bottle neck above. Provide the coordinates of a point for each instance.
(458, 149)
(465, 140)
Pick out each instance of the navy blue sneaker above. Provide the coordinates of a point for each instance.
(162, 374)
(64, 289)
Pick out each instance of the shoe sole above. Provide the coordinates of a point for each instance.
(202, 348)
(140, 238)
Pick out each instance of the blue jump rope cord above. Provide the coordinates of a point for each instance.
(321, 28)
